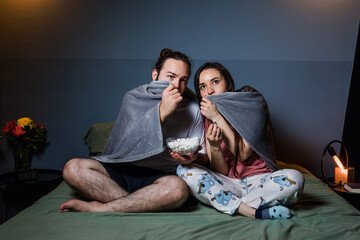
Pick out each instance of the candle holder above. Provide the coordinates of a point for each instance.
(342, 174)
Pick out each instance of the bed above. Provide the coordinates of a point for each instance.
(319, 214)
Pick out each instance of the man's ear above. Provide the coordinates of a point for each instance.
(154, 74)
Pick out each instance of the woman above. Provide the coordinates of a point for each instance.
(243, 178)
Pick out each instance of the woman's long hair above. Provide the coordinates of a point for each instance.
(230, 88)
(213, 65)
(239, 141)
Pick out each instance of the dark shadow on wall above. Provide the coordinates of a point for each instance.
(352, 120)
(294, 150)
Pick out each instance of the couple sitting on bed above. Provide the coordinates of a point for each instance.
(135, 173)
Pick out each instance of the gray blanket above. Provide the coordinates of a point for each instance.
(247, 112)
(137, 133)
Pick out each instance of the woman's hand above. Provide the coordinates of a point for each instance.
(214, 135)
(208, 109)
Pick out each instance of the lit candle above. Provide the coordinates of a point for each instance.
(345, 175)
(338, 162)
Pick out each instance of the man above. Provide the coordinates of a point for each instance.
(135, 172)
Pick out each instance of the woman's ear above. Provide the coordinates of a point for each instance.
(154, 74)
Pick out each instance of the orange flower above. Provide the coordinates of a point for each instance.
(18, 131)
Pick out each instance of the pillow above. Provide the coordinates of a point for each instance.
(96, 137)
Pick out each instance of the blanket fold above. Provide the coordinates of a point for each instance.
(247, 112)
(137, 132)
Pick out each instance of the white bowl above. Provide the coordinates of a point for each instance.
(183, 146)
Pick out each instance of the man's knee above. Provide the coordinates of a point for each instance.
(177, 191)
(68, 168)
(73, 168)
(181, 188)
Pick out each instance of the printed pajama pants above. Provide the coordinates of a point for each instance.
(282, 187)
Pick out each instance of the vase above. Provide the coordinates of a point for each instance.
(22, 168)
(21, 156)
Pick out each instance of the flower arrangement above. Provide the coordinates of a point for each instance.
(25, 137)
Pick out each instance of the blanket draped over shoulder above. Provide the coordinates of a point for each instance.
(247, 112)
(137, 132)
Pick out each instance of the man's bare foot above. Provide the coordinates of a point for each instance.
(76, 205)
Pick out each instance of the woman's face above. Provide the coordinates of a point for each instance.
(211, 82)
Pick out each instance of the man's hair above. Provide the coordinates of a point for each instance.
(167, 53)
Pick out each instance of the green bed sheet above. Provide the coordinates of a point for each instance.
(319, 214)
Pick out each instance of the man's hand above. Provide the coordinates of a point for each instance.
(208, 109)
(169, 101)
(191, 157)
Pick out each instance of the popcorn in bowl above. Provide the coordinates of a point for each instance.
(183, 146)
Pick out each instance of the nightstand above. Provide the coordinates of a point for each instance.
(16, 195)
(352, 198)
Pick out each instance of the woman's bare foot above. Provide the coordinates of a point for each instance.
(76, 205)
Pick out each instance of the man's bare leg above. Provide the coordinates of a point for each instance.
(166, 193)
(89, 178)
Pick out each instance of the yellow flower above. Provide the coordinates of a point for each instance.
(24, 121)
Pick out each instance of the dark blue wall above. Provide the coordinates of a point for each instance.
(67, 64)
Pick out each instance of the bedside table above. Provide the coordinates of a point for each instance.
(16, 195)
(352, 198)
